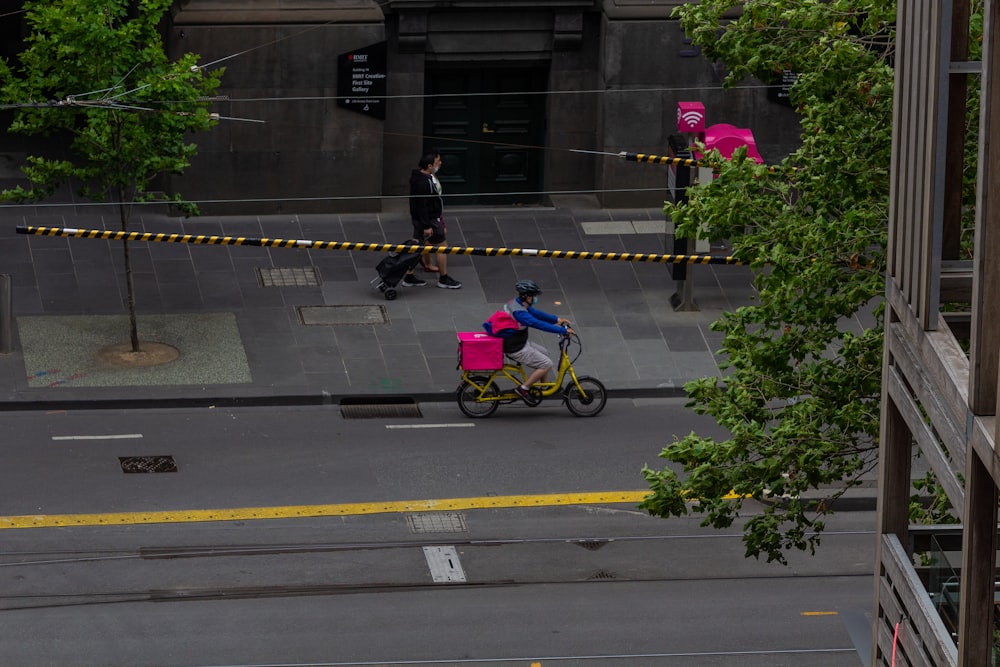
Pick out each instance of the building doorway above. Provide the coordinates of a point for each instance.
(489, 125)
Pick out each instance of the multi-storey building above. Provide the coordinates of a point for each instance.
(936, 594)
(513, 92)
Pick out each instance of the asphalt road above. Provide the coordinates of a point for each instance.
(595, 583)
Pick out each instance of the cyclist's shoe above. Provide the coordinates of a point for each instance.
(526, 396)
(410, 280)
(447, 282)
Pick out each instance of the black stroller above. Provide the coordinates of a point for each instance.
(392, 269)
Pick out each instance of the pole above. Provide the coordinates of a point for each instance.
(6, 315)
(681, 173)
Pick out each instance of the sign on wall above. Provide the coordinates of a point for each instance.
(781, 92)
(361, 80)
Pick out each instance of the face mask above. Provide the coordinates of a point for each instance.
(434, 169)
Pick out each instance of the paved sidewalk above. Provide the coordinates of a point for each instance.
(255, 324)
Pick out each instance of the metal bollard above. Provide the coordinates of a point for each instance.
(6, 314)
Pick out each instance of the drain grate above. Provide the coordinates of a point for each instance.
(340, 315)
(436, 522)
(387, 408)
(601, 574)
(147, 463)
(296, 276)
(591, 545)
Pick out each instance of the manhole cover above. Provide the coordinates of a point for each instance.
(340, 315)
(367, 408)
(436, 522)
(147, 463)
(296, 276)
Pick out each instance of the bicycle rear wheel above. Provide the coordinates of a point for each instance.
(469, 396)
(589, 402)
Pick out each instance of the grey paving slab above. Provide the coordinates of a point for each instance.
(174, 271)
(357, 342)
(606, 339)
(28, 300)
(616, 276)
(49, 261)
(366, 374)
(587, 316)
(684, 338)
(247, 226)
(614, 367)
(312, 336)
(696, 365)
(180, 251)
(443, 372)
(638, 326)
(321, 359)
(96, 252)
(255, 296)
(15, 250)
(342, 268)
(405, 359)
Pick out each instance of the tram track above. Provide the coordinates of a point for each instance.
(193, 573)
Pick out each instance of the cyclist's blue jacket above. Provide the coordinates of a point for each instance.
(526, 316)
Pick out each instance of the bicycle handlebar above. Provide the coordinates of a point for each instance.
(566, 339)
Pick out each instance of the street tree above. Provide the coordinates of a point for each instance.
(95, 71)
(800, 387)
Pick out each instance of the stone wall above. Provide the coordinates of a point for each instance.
(616, 71)
(308, 155)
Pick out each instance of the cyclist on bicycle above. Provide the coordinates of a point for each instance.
(515, 342)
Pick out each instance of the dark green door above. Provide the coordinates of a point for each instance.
(489, 124)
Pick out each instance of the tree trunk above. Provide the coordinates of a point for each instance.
(129, 284)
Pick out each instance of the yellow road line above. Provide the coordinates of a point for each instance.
(299, 511)
(820, 613)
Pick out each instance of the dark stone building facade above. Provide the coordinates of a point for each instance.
(513, 93)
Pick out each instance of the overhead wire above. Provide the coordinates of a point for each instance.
(265, 44)
(590, 91)
(112, 103)
(266, 200)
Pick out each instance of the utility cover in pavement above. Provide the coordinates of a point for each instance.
(340, 315)
(295, 276)
(147, 463)
(444, 565)
(436, 522)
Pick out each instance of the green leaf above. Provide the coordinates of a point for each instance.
(800, 390)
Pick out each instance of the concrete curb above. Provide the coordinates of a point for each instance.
(279, 400)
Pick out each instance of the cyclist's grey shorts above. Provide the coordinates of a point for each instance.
(532, 355)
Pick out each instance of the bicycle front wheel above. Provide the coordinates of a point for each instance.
(475, 403)
(590, 401)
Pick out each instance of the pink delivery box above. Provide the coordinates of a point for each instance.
(479, 351)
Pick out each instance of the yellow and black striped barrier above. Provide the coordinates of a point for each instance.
(664, 159)
(200, 239)
(680, 162)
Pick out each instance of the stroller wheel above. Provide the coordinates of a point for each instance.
(390, 294)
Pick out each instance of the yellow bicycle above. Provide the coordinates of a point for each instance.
(480, 395)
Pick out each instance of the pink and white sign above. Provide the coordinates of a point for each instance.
(690, 117)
